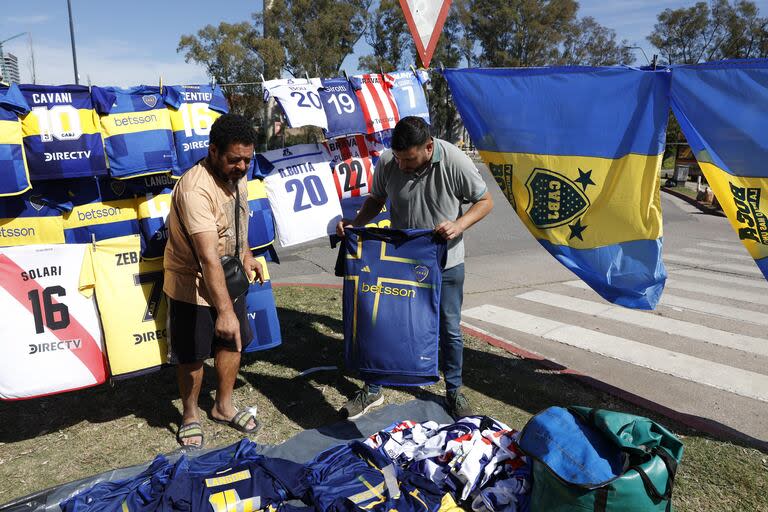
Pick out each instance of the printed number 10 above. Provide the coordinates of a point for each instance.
(49, 308)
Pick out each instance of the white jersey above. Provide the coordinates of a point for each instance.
(50, 338)
(299, 100)
(374, 92)
(301, 192)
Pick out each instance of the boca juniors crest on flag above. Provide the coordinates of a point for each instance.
(722, 108)
(577, 152)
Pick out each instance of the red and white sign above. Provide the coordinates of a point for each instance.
(425, 19)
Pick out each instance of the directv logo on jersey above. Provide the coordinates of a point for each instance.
(189, 146)
(67, 155)
(293, 170)
(54, 346)
(149, 336)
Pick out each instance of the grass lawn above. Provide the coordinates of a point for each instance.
(54, 440)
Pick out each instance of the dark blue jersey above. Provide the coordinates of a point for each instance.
(351, 478)
(342, 108)
(392, 282)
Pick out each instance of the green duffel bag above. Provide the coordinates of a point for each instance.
(603, 461)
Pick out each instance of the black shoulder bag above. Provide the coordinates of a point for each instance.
(234, 273)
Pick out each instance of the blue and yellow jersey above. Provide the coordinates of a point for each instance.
(391, 304)
(194, 108)
(262, 313)
(14, 177)
(261, 223)
(34, 217)
(133, 319)
(137, 130)
(153, 203)
(62, 138)
(101, 208)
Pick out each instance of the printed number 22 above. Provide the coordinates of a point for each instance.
(314, 188)
(49, 309)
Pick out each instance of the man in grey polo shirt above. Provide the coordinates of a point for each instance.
(427, 180)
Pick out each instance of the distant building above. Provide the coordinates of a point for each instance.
(9, 68)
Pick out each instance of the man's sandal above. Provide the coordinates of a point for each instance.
(190, 430)
(240, 420)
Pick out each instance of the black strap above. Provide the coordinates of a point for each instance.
(671, 465)
(189, 238)
(601, 499)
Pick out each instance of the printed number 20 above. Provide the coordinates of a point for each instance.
(49, 308)
(314, 99)
(315, 192)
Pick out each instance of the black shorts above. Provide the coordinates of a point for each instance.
(192, 331)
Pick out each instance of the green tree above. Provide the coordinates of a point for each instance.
(387, 33)
(591, 44)
(706, 32)
(446, 122)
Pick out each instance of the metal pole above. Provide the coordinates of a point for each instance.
(72, 37)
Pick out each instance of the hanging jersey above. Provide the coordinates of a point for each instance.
(352, 477)
(14, 177)
(62, 138)
(352, 205)
(391, 304)
(53, 343)
(353, 159)
(139, 493)
(195, 108)
(408, 91)
(301, 192)
(34, 217)
(261, 223)
(137, 130)
(262, 313)
(299, 99)
(153, 204)
(101, 208)
(342, 108)
(374, 92)
(129, 294)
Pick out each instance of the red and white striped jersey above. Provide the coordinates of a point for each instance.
(353, 161)
(375, 96)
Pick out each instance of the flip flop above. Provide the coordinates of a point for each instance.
(240, 420)
(193, 429)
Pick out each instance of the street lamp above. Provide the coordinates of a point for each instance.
(72, 37)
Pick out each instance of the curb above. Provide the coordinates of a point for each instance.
(698, 423)
(703, 208)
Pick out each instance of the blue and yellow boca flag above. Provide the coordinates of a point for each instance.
(577, 152)
(722, 108)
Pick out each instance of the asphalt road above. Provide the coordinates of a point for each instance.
(702, 354)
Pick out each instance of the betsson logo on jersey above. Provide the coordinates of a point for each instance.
(16, 232)
(125, 120)
(98, 213)
(388, 290)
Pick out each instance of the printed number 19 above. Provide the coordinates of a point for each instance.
(49, 308)
(343, 103)
(314, 188)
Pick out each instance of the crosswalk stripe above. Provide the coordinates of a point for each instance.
(756, 282)
(719, 291)
(720, 376)
(712, 264)
(657, 323)
(706, 251)
(699, 306)
(732, 247)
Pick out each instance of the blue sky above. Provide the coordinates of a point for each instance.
(131, 42)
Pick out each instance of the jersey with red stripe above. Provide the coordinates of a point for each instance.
(374, 92)
(352, 165)
(53, 343)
